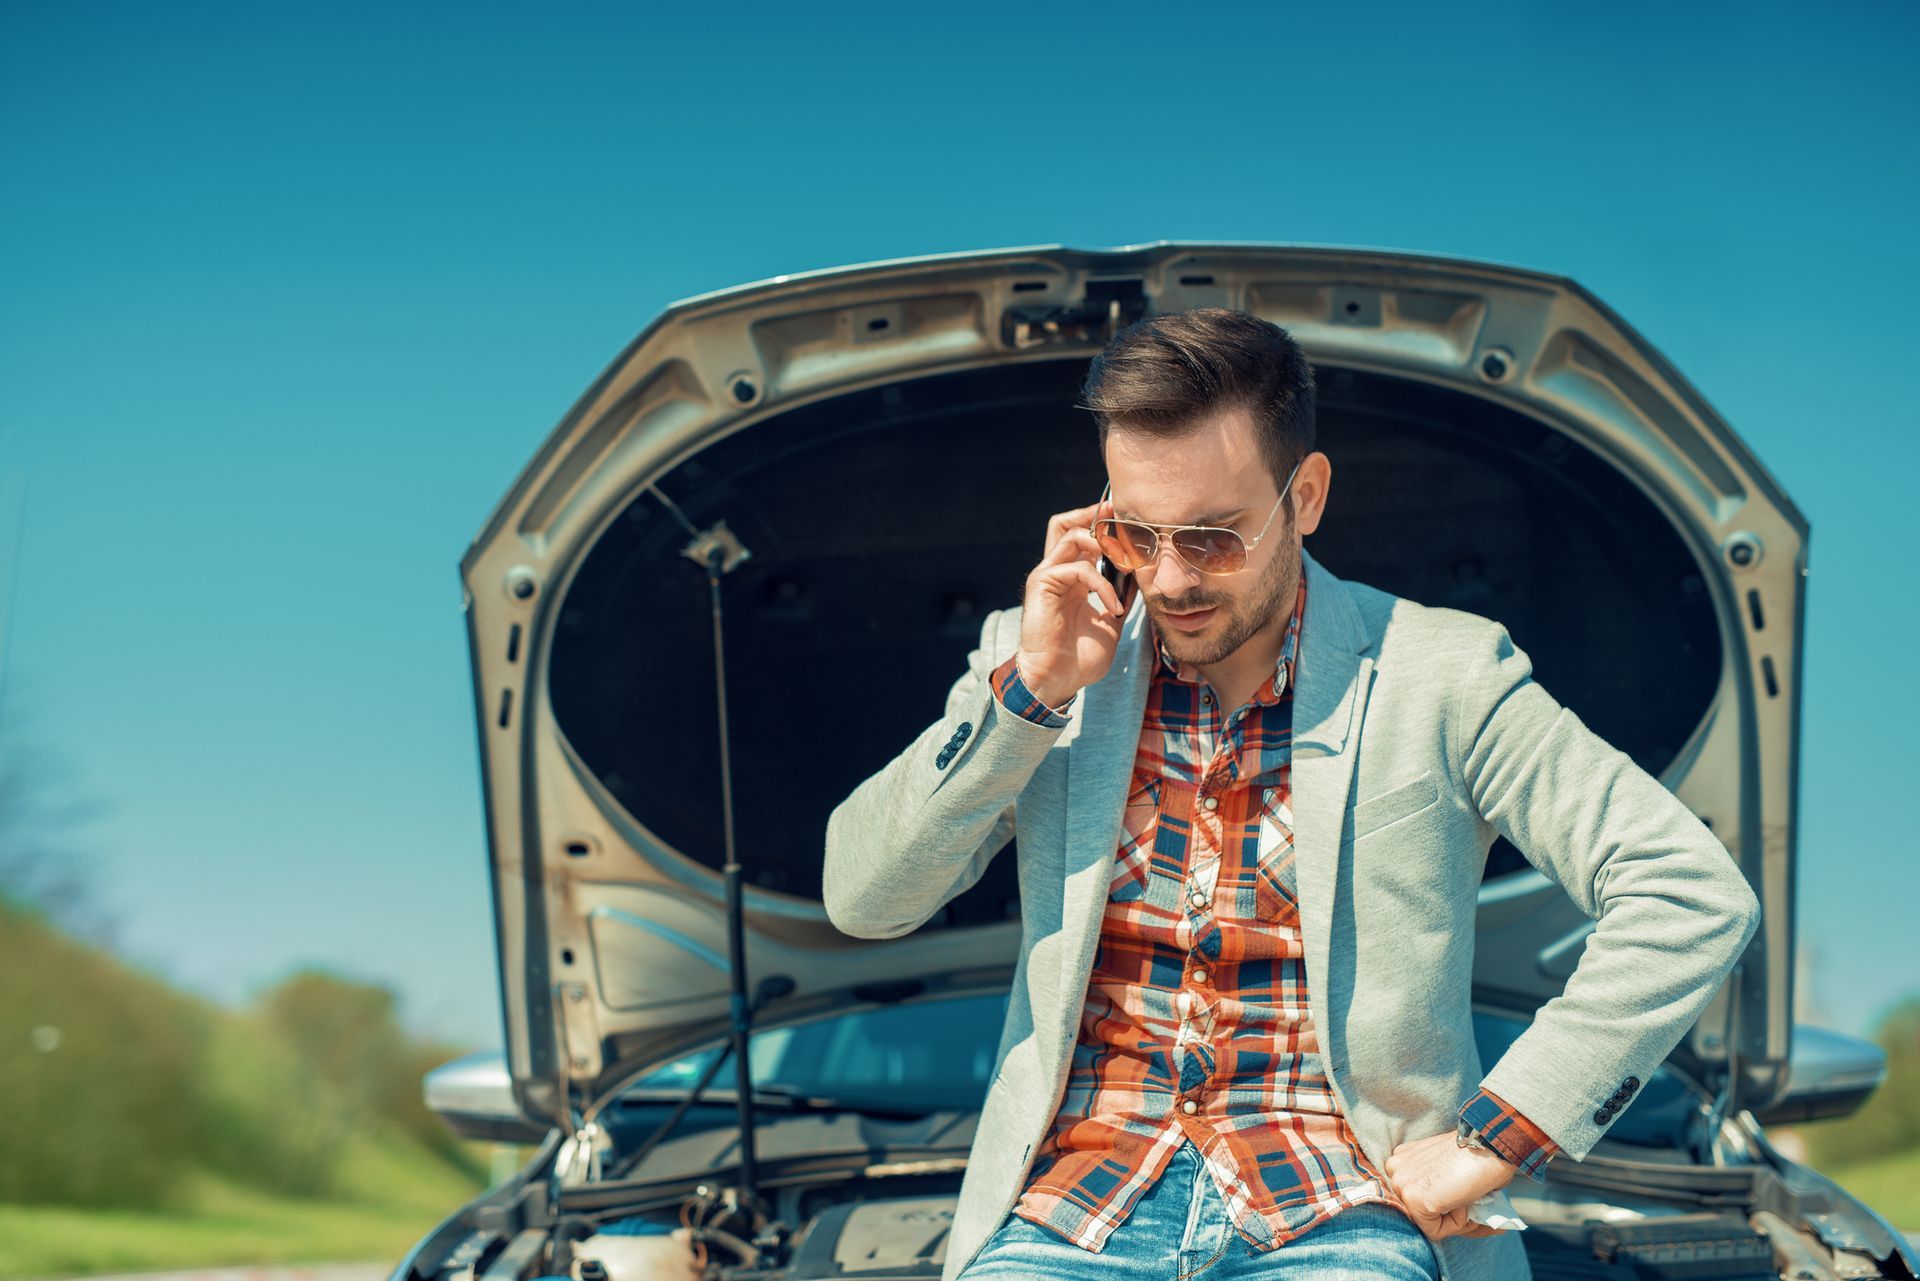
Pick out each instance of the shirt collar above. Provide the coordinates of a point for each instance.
(1165, 664)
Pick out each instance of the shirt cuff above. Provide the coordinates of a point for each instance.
(1018, 699)
(1510, 1134)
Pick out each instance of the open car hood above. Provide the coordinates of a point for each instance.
(1502, 443)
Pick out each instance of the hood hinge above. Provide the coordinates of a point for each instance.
(1725, 1100)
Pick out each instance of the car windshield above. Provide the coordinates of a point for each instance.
(938, 1053)
(917, 1055)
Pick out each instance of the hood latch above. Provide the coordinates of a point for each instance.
(1111, 305)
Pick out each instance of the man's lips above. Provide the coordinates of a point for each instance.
(1193, 620)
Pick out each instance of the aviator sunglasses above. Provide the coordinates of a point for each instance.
(1211, 549)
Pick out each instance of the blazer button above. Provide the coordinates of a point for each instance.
(1631, 1084)
(945, 757)
(1602, 1117)
(966, 728)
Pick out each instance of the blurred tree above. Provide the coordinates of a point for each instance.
(315, 1061)
(404, 1102)
(118, 1087)
(1889, 1122)
(97, 1060)
(99, 1067)
(41, 860)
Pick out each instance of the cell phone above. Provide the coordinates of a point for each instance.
(1121, 580)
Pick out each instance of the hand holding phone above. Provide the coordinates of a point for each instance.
(1071, 612)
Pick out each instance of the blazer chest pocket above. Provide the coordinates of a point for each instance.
(1394, 804)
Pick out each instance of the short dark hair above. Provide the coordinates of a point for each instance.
(1162, 373)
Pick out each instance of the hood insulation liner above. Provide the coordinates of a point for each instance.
(883, 525)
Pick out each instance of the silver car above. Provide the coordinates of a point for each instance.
(748, 563)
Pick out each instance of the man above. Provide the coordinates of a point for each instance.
(1254, 804)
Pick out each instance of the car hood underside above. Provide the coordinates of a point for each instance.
(1502, 443)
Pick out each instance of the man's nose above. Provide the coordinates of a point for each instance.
(1170, 571)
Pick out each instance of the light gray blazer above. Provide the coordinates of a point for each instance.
(1418, 735)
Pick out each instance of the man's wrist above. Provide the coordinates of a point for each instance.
(1058, 701)
(1465, 1136)
(1488, 1121)
(1011, 689)
(1486, 1157)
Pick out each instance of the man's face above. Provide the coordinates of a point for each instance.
(1213, 475)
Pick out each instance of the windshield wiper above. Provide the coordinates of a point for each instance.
(792, 1099)
(780, 1097)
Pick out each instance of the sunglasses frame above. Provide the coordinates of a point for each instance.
(1167, 532)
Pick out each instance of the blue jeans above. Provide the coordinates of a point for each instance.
(1181, 1221)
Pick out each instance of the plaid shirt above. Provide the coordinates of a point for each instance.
(1196, 1025)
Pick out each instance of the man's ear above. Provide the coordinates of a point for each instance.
(1317, 470)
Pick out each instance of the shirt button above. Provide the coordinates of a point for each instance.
(1198, 898)
(1211, 802)
(1189, 1107)
(1206, 700)
(1199, 976)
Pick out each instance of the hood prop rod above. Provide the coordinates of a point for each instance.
(1726, 1098)
(716, 555)
(719, 551)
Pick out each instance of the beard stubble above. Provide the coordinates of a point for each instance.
(1278, 584)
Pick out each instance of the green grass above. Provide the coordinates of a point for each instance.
(1891, 1185)
(146, 1128)
(392, 1192)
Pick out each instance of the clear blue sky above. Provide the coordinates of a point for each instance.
(288, 295)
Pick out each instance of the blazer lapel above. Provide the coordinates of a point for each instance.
(1099, 767)
(1331, 682)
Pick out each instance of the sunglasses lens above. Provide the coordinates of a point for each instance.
(1211, 551)
(1126, 544)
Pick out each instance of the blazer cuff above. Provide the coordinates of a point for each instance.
(1018, 699)
(1509, 1133)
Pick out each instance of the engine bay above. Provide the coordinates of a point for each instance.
(1614, 1217)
